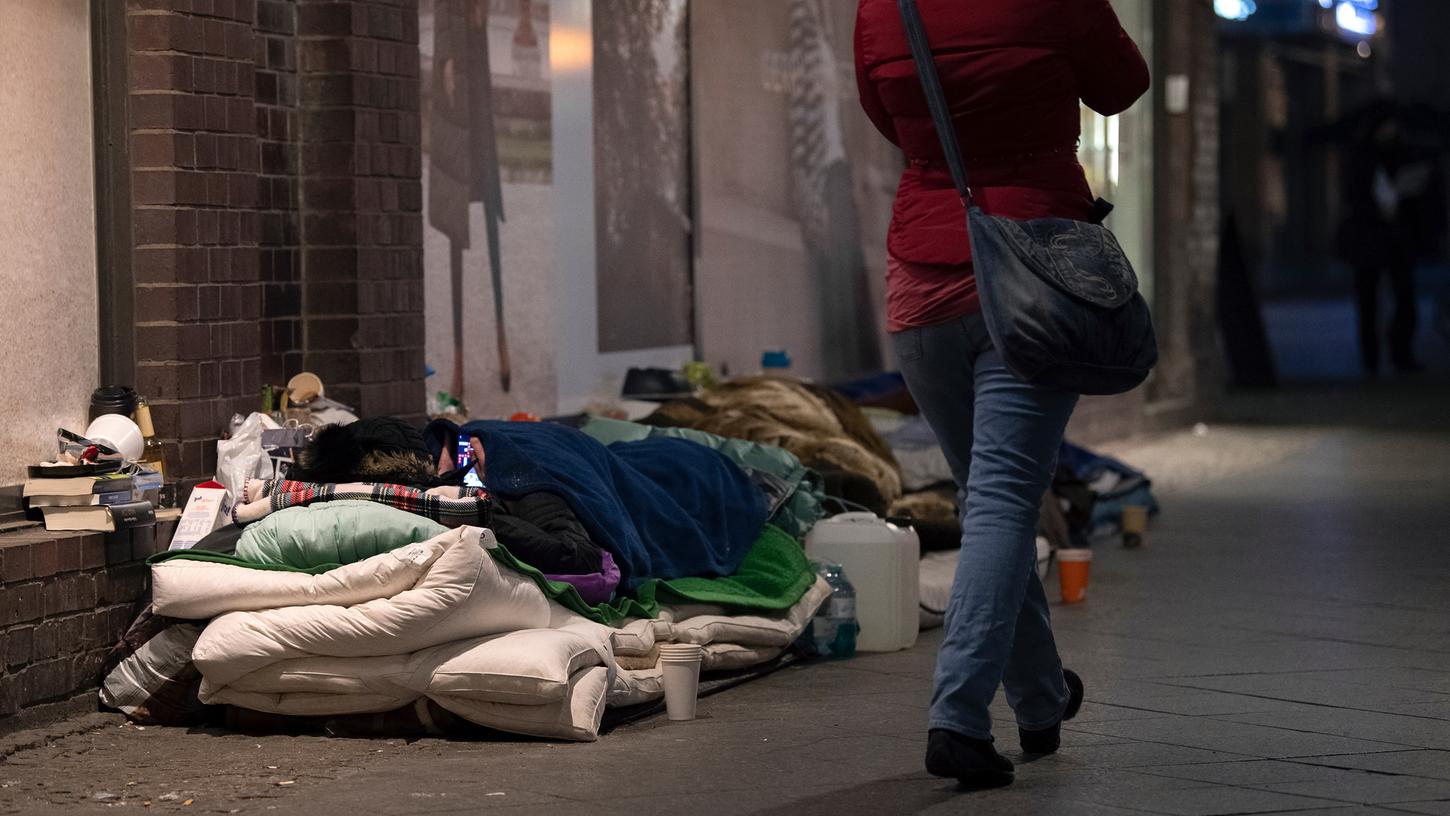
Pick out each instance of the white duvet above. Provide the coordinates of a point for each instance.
(440, 619)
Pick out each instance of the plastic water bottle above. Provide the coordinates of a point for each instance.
(834, 627)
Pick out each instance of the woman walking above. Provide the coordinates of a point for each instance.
(1013, 72)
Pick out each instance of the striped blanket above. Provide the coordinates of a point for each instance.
(449, 506)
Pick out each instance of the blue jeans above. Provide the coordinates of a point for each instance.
(1001, 437)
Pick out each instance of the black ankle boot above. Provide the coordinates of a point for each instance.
(972, 762)
(1047, 740)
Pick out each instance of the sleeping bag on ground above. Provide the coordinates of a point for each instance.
(665, 508)
(337, 532)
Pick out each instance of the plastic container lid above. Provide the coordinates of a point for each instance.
(775, 359)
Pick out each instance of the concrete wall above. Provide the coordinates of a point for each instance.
(49, 361)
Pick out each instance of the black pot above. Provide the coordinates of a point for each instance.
(113, 399)
(655, 384)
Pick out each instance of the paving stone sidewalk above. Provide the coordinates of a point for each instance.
(1281, 645)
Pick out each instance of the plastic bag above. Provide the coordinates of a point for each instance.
(241, 457)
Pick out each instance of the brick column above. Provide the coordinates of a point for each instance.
(279, 242)
(361, 202)
(1187, 169)
(192, 122)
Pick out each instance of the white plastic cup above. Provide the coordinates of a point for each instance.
(680, 667)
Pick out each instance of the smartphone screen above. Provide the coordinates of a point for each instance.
(465, 460)
(464, 456)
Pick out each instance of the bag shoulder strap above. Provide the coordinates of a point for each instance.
(936, 100)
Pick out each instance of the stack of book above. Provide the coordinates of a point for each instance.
(101, 503)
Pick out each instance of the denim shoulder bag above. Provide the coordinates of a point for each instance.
(1059, 297)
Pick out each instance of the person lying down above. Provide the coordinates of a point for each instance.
(539, 527)
(564, 502)
(660, 507)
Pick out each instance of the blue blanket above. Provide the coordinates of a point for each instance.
(665, 508)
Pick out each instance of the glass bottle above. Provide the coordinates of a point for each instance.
(151, 454)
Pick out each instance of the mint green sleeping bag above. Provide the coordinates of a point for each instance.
(335, 532)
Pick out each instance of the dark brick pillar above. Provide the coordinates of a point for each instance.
(361, 202)
(1187, 171)
(1185, 385)
(279, 251)
(194, 163)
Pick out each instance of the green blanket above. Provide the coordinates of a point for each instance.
(773, 577)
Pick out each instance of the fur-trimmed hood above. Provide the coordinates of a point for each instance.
(379, 449)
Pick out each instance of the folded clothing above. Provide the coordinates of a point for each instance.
(450, 506)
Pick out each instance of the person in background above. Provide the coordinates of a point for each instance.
(1394, 200)
(1014, 72)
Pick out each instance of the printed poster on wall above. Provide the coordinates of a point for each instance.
(489, 220)
(642, 174)
(795, 189)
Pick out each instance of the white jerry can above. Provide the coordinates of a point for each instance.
(881, 561)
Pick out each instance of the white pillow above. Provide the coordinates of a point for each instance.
(767, 629)
(530, 667)
(576, 716)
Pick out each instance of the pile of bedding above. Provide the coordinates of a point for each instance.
(444, 619)
(361, 598)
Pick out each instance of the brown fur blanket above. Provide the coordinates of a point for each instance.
(826, 431)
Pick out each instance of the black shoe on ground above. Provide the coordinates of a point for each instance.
(972, 762)
(1047, 740)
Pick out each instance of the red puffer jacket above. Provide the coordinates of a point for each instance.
(1013, 72)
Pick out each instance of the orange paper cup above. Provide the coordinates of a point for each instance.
(1073, 566)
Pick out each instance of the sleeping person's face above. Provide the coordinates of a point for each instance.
(476, 445)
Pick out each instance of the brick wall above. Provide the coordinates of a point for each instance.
(193, 149)
(64, 600)
(276, 208)
(279, 242)
(275, 224)
(1188, 202)
(361, 198)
